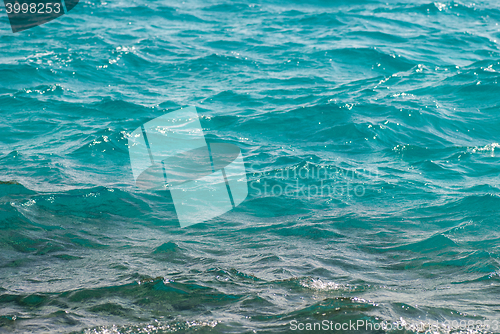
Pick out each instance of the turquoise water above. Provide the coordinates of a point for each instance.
(381, 118)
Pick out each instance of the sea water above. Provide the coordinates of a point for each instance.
(370, 132)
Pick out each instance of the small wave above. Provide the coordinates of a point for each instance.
(156, 327)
